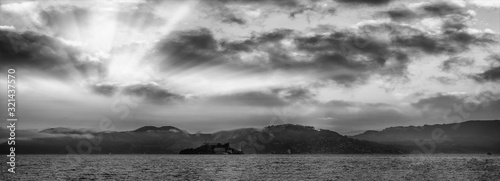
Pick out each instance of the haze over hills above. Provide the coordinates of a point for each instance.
(465, 137)
(279, 139)
(63, 130)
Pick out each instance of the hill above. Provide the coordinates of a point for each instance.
(279, 139)
(465, 137)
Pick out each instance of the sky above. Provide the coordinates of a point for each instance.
(204, 66)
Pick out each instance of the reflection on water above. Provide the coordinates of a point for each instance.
(254, 167)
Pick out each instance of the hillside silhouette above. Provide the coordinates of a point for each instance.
(278, 139)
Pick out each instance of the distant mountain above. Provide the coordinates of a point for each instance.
(288, 138)
(465, 137)
(155, 129)
(280, 139)
(62, 130)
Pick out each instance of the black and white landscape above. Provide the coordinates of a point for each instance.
(250, 89)
(471, 137)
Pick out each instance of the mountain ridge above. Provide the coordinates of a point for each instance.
(276, 139)
(465, 137)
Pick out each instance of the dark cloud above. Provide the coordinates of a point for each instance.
(224, 14)
(44, 53)
(351, 104)
(295, 94)
(467, 39)
(273, 36)
(368, 2)
(339, 104)
(312, 11)
(152, 93)
(233, 19)
(444, 80)
(29, 49)
(107, 89)
(449, 42)
(332, 56)
(359, 53)
(230, 11)
(442, 8)
(256, 41)
(323, 28)
(495, 58)
(456, 62)
(492, 73)
(346, 43)
(300, 11)
(189, 48)
(400, 14)
(441, 107)
(278, 3)
(251, 98)
(193, 48)
(455, 21)
(438, 101)
(339, 69)
(224, 10)
(272, 97)
(439, 9)
(424, 43)
(346, 57)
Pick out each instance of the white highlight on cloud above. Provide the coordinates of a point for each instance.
(19, 7)
(10, 28)
(181, 12)
(485, 3)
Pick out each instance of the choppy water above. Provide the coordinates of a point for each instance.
(254, 167)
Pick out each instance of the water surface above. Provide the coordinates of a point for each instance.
(254, 167)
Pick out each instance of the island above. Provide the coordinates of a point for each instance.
(212, 148)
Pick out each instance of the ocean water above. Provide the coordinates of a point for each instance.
(254, 167)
